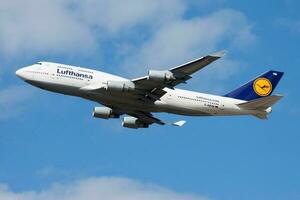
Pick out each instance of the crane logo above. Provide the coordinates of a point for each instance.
(262, 86)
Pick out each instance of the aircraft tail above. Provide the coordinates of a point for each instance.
(261, 86)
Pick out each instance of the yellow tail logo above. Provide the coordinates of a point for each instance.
(262, 86)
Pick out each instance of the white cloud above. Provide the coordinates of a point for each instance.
(66, 27)
(185, 39)
(114, 15)
(99, 188)
(12, 100)
(74, 27)
(41, 27)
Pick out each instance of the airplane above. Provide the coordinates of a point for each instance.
(140, 97)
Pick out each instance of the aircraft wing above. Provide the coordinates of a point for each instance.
(152, 88)
(148, 118)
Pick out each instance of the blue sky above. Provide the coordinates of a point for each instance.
(51, 147)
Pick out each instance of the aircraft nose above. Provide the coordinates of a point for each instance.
(19, 73)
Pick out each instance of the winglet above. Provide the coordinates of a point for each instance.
(179, 123)
(219, 54)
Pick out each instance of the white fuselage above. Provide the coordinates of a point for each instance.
(69, 80)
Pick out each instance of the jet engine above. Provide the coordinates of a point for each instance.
(104, 112)
(120, 86)
(160, 76)
(133, 122)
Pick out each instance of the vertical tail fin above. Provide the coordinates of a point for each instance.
(261, 86)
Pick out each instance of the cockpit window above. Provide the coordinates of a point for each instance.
(39, 63)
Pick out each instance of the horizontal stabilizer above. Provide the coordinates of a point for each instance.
(261, 103)
(179, 123)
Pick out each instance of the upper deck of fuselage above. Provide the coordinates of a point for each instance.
(95, 74)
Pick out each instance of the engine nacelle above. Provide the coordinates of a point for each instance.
(160, 76)
(120, 86)
(132, 122)
(104, 112)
